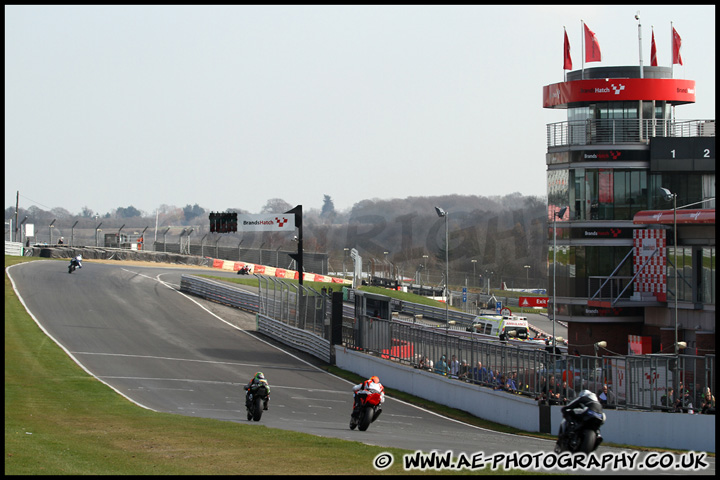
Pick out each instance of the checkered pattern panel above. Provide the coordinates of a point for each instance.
(653, 277)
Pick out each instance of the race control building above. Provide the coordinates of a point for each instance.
(625, 178)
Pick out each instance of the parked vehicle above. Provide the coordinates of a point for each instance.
(501, 326)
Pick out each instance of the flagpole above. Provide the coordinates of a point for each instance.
(640, 102)
(637, 17)
(672, 50)
(564, 53)
(582, 51)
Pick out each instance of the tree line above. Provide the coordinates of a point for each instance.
(405, 237)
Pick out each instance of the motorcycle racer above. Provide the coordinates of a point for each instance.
(257, 380)
(583, 413)
(371, 385)
(77, 261)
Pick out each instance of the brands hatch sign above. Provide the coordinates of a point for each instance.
(275, 222)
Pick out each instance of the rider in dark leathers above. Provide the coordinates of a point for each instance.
(574, 412)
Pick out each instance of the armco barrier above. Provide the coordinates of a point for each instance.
(228, 295)
(220, 292)
(303, 340)
(628, 427)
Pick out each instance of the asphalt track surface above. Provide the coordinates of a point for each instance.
(130, 327)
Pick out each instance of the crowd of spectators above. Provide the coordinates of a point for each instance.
(682, 402)
(553, 391)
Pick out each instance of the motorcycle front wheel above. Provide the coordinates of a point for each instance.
(257, 407)
(365, 418)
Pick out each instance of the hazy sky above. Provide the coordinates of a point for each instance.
(229, 106)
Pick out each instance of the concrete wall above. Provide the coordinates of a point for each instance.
(647, 429)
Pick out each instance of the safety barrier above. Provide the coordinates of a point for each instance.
(14, 248)
(303, 340)
(220, 292)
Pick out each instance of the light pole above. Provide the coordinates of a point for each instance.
(527, 276)
(427, 270)
(188, 240)
(443, 213)
(50, 230)
(668, 195)
(559, 214)
(72, 233)
(97, 228)
(345, 254)
(474, 279)
(21, 229)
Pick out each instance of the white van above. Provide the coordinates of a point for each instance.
(501, 326)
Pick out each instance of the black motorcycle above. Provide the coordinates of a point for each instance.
(254, 402)
(580, 433)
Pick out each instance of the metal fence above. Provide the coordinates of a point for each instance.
(615, 131)
(295, 305)
(634, 382)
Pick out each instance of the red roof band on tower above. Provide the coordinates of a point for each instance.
(672, 90)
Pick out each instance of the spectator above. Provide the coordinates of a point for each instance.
(480, 373)
(668, 400)
(567, 393)
(501, 383)
(542, 396)
(708, 403)
(510, 384)
(464, 372)
(553, 395)
(604, 396)
(441, 366)
(454, 367)
(490, 379)
(422, 363)
(60, 241)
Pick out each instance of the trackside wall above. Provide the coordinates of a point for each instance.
(628, 427)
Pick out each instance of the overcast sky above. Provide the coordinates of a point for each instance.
(229, 106)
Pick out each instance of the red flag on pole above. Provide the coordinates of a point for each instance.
(653, 51)
(676, 43)
(567, 64)
(592, 47)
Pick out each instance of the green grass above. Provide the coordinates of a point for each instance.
(60, 421)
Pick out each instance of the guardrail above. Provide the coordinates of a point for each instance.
(220, 292)
(14, 248)
(303, 340)
(299, 338)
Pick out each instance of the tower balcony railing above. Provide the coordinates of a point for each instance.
(619, 131)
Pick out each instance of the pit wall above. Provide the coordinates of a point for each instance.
(626, 427)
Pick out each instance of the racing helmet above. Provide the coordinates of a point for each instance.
(588, 394)
(79, 257)
(374, 379)
(259, 376)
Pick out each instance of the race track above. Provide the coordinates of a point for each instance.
(130, 327)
